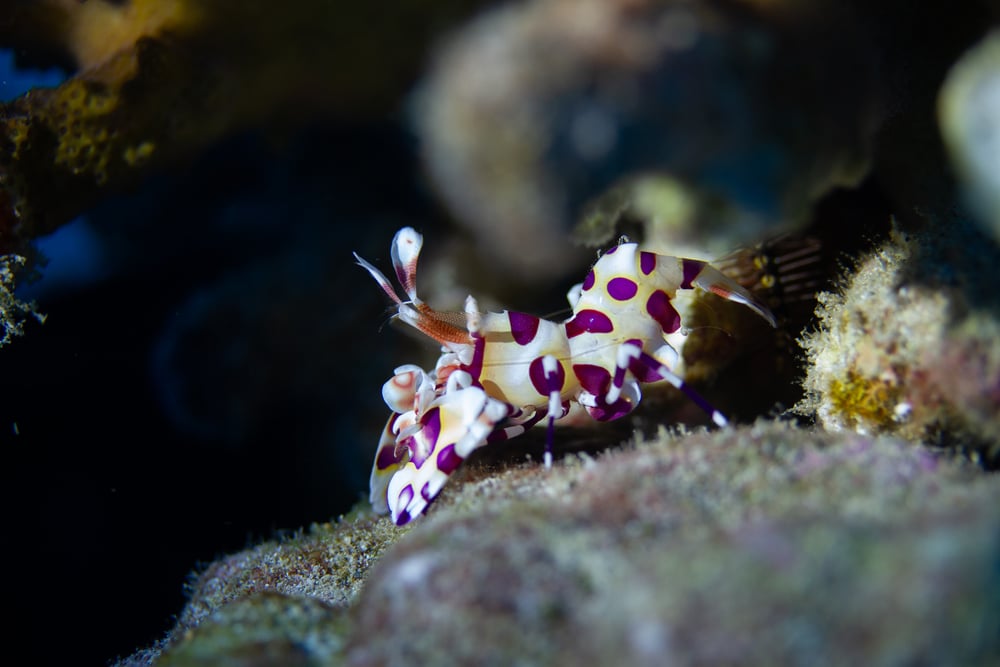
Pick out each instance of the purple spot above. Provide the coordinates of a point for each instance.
(431, 425)
(612, 251)
(659, 308)
(644, 373)
(403, 500)
(387, 458)
(589, 321)
(403, 518)
(588, 282)
(593, 379)
(691, 269)
(622, 289)
(425, 492)
(523, 327)
(447, 460)
(542, 385)
(607, 413)
(645, 368)
(647, 262)
(430, 430)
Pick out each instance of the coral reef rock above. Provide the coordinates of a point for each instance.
(13, 311)
(767, 544)
(910, 345)
(157, 82)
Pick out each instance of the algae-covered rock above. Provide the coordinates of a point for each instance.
(265, 629)
(279, 601)
(13, 311)
(761, 545)
(157, 82)
(910, 344)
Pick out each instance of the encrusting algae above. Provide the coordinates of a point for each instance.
(13, 311)
(668, 550)
(903, 347)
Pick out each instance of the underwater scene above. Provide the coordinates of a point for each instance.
(537, 332)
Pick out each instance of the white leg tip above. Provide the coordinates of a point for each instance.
(548, 460)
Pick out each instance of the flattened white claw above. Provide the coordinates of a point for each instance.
(454, 425)
(404, 503)
(405, 251)
(406, 245)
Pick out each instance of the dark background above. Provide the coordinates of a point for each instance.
(121, 477)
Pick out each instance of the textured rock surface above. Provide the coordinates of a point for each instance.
(767, 544)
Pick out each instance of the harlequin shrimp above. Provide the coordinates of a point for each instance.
(501, 373)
